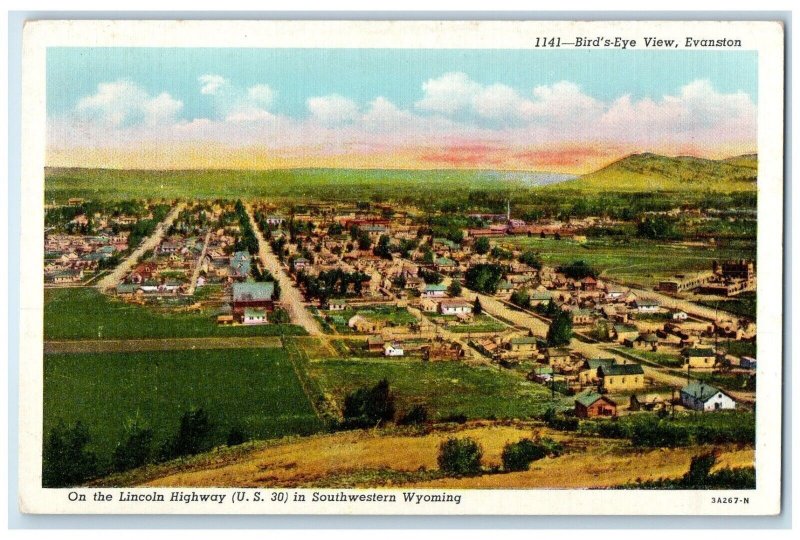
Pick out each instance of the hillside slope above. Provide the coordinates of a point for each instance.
(652, 172)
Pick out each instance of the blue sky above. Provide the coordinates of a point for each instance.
(558, 110)
(397, 74)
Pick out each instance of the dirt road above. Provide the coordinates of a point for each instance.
(151, 242)
(291, 298)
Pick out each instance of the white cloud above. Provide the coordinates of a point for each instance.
(261, 94)
(332, 110)
(122, 103)
(210, 84)
(448, 94)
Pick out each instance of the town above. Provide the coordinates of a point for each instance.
(395, 282)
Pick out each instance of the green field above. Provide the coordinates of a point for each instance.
(744, 304)
(634, 261)
(446, 388)
(312, 184)
(254, 389)
(84, 313)
(650, 172)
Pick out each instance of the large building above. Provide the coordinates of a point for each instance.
(699, 396)
(253, 295)
(619, 377)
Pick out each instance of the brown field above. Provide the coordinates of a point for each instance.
(375, 459)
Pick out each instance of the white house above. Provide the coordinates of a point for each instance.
(434, 291)
(704, 397)
(680, 316)
(254, 316)
(454, 307)
(393, 348)
(646, 306)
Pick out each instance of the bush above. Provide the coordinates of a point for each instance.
(519, 455)
(418, 414)
(135, 449)
(460, 457)
(66, 459)
(193, 435)
(560, 422)
(367, 407)
(458, 418)
(236, 436)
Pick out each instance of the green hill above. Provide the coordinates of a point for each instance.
(652, 172)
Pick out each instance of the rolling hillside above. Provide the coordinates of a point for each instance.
(652, 172)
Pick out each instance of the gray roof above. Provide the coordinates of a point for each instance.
(621, 369)
(253, 292)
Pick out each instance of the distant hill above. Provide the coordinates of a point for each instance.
(652, 172)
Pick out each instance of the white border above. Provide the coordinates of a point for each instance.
(764, 37)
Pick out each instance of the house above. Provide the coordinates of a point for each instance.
(504, 289)
(648, 341)
(240, 265)
(337, 304)
(615, 294)
(393, 348)
(591, 404)
(541, 374)
(557, 356)
(429, 305)
(645, 402)
(541, 298)
(525, 344)
(646, 306)
(454, 307)
(361, 324)
(621, 332)
(375, 343)
(434, 290)
(582, 317)
(699, 396)
(679, 316)
(588, 284)
(253, 295)
(254, 316)
(747, 362)
(301, 264)
(588, 372)
(225, 320)
(445, 264)
(442, 351)
(699, 358)
(619, 377)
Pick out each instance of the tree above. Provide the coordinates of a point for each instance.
(560, 331)
(477, 308)
(193, 435)
(521, 298)
(484, 278)
(367, 407)
(418, 414)
(519, 455)
(482, 245)
(136, 447)
(531, 258)
(382, 249)
(460, 457)
(364, 241)
(577, 270)
(66, 458)
(454, 289)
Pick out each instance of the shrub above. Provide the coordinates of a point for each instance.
(519, 455)
(236, 436)
(458, 418)
(134, 451)
(367, 407)
(460, 457)
(418, 414)
(66, 458)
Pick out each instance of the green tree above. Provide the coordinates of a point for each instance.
(482, 245)
(521, 298)
(193, 437)
(519, 455)
(531, 258)
(454, 289)
(477, 308)
(577, 270)
(135, 448)
(560, 331)
(460, 457)
(367, 407)
(418, 414)
(484, 278)
(66, 457)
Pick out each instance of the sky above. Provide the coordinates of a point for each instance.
(536, 110)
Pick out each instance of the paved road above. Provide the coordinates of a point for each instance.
(291, 298)
(152, 241)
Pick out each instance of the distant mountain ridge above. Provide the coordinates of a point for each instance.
(653, 172)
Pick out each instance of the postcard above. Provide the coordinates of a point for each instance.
(401, 267)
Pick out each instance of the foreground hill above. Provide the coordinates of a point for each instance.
(652, 172)
(372, 459)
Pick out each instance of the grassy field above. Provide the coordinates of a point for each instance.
(651, 172)
(744, 304)
(84, 313)
(446, 388)
(254, 389)
(392, 315)
(369, 459)
(634, 261)
(328, 184)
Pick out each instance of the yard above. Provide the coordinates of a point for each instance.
(446, 388)
(255, 390)
(84, 313)
(632, 260)
(392, 315)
